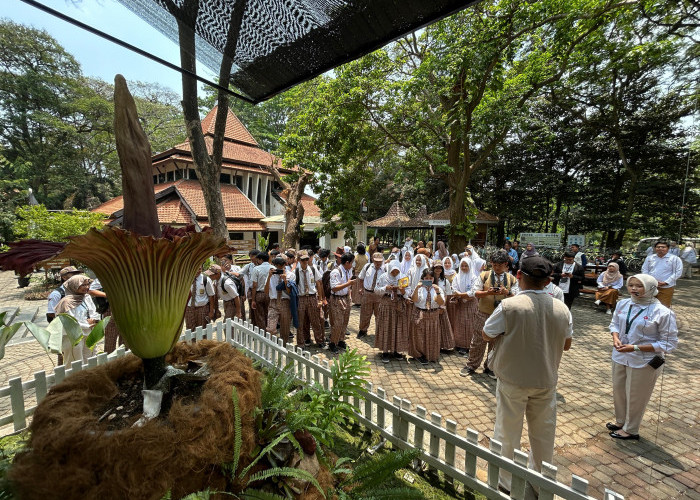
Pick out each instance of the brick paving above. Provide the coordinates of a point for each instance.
(665, 463)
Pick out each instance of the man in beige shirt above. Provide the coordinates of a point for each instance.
(530, 332)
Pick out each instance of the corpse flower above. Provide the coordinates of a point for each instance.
(146, 275)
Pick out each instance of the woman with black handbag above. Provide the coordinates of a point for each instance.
(643, 330)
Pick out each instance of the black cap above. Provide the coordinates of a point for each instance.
(536, 267)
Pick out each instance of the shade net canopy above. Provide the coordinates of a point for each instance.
(284, 42)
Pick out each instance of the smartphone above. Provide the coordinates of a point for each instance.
(279, 271)
(426, 283)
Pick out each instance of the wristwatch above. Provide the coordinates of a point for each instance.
(636, 347)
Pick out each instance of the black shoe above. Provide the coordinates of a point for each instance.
(386, 357)
(321, 345)
(612, 427)
(423, 360)
(361, 333)
(463, 352)
(307, 343)
(620, 436)
(466, 371)
(489, 373)
(332, 347)
(398, 355)
(326, 324)
(342, 345)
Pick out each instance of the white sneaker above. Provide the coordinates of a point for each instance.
(597, 302)
(609, 311)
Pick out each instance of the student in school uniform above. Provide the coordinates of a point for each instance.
(341, 301)
(311, 300)
(361, 260)
(201, 305)
(368, 278)
(465, 306)
(247, 275)
(277, 289)
(450, 273)
(230, 269)
(424, 344)
(391, 336)
(226, 291)
(260, 301)
(447, 339)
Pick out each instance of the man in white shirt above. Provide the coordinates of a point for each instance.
(225, 290)
(247, 274)
(674, 249)
(260, 301)
(201, 305)
(689, 258)
(530, 332)
(666, 268)
(369, 275)
(340, 303)
(311, 299)
(277, 289)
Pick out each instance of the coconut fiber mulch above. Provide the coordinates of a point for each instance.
(71, 454)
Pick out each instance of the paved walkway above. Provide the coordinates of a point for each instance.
(665, 463)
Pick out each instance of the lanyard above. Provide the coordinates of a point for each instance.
(628, 322)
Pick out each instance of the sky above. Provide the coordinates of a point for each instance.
(98, 57)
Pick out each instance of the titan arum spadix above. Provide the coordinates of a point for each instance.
(145, 273)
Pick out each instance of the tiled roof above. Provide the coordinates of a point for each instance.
(481, 216)
(235, 130)
(173, 212)
(396, 216)
(236, 205)
(245, 226)
(310, 207)
(234, 152)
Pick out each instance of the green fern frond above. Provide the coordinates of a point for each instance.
(237, 428)
(299, 474)
(372, 473)
(199, 495)
(400, 493)
(253, 494)
(265, 451)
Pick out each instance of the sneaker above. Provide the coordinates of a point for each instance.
(307, 343)
(597, 302)
(322, 345)
(361, 333)
(398, 355)
(342, 345)
(423, 360)
(466, 371)
(490, 373)
(609, 311)
(386, 357)
(332, 347)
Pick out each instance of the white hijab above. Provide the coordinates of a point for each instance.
(406, 264)
(415, 272)
(393, 280)
(464, 280)
(650, 289)
(477, 262)
(451, 270)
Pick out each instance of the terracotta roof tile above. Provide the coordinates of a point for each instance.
(235, 152)
(310, 207)
(236, 205)
(173, 212)
(235, 130)
(245, 226)
(481, 216)
(396, 216)
(116, 204)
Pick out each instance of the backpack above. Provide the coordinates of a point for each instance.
(61, 291)
(326, 282)
(237, 283)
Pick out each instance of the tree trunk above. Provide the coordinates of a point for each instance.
(557, 212)
(457, 242)
(294, 212)
(207, 171)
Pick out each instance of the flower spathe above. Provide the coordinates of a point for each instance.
(147, 280)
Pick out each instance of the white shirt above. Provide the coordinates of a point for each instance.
(617, 284)
(689, 255)
(340, 275)
(554, 291)
(312, 276)
(577, 258)
(445, 286)
(674, 251)
(200, 293)
(259, 276)
(367, 275)
(667, 268)
(478, 285)
(422, 296)
(496, 323)
(227, 288)
(274, 281)
(247, 273)
(54, 298)
(84, 311)
(655, 325)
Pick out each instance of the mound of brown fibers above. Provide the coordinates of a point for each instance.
(71, 456)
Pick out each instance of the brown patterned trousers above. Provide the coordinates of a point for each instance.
(309, 317)
(340, 316)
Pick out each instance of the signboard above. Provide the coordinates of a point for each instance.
(576, 239)
(242, 246)
(540, 240)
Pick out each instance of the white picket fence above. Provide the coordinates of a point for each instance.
(396, 421)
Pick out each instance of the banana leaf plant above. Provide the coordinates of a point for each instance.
(145, 272)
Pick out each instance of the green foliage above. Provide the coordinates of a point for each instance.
(9, 447)
(35, 221)
(368, 479)
(7, 331)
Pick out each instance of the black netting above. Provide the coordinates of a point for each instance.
(283, 42)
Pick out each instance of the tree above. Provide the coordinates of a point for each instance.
(445, 98)
(36, 222)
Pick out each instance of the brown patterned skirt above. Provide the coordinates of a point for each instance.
(355, 292)
(392, 325)
(464, 311)
(425, 334)
(447, 339)
(608, 296)
(196, 316)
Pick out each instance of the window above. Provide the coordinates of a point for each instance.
(161, 178)
(236, 236)
(179, 174)
(225, 178)
(239, 182)
(171, 176)
(155, 179)
(192, 173)
(334, 235)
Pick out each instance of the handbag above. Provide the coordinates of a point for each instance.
(656, 362)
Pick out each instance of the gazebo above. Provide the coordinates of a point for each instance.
(397, 223)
